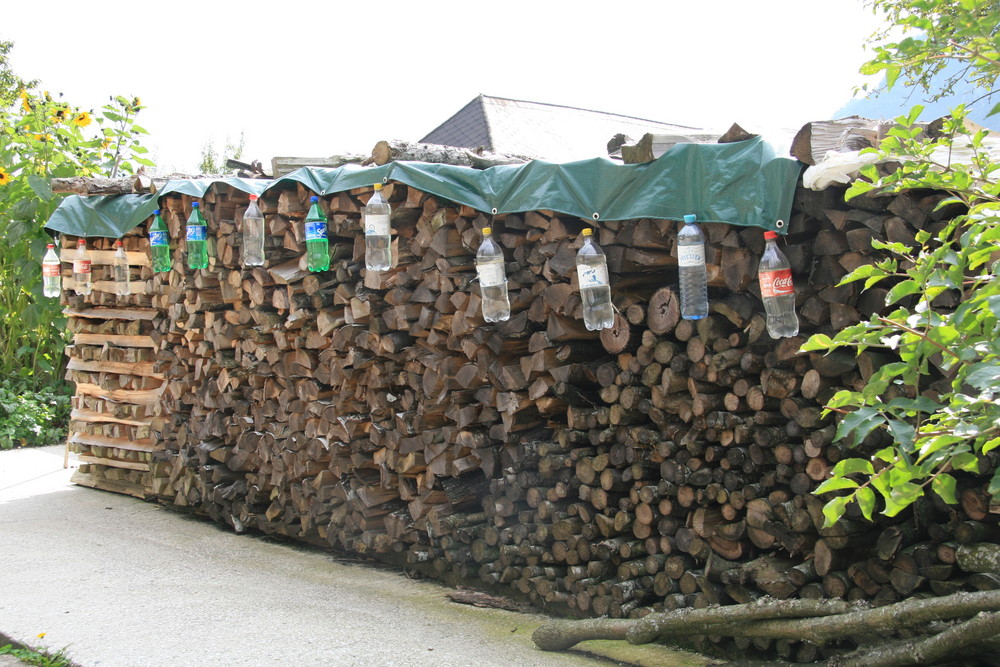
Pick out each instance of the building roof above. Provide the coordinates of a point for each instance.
(546, 131)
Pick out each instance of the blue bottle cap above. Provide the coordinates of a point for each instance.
(194, 204)
(156, 212)
(314, 198)
(689, 218)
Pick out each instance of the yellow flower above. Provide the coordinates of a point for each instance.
(41, 635)
(25, 104)
(82, 119)
(42, 137)
(59, 115)
(4, 177)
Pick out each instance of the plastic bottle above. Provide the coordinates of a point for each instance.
(777, 290)
(51, 272)
(119, 267)
(378, 234)
(82, 268)
(253, 234)
(492, 279)
(691, 265)
(595, 290)
(159, 243)
(317, 245)
(197, 239)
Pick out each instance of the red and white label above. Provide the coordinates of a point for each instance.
(51, 270)
(81, 266)
(776, 283)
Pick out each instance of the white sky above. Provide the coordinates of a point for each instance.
(323, 78)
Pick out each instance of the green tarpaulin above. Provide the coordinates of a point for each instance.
(741, 183)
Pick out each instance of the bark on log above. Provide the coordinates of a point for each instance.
(385, 152)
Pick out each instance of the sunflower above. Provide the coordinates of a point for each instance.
(4, 177)
(82, 119)
(25, 104)
(59, 115)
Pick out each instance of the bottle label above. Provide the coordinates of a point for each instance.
(491, 275)
(691, 255)
(160, 238)
(197, 232)
(776, 283)
(51, 270)
(315, 231)
(592, 276)
(81, 266)
(377, 225)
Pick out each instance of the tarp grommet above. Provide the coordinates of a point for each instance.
(494, 211)
(779, 224)
(596, 216)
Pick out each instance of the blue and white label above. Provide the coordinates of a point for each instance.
(197, 232)
(377, 225)
(159, 238)
(592, 276)
(691, 255)
(315, 231)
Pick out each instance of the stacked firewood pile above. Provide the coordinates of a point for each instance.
(662, 464)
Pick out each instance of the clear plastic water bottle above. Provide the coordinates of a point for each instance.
(159, 243)
(119, 268)
(693, 275)
(595, 289)
(317, 245)
(253, 234)
(82, 269)
(777, 290)
(51, 272)
(378, 234)
(197, 239)
(492, 279)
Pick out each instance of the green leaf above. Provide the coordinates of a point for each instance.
(817, 342)
(994, 488)
(859, 424)
(984, 375)
(900, 290)
(41, 187)
(944, 486)
(851, 466)
(892, 73)
(835, 484)
(866, 501)
(834, 509)
(965, 461)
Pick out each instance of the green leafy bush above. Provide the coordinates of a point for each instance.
(32, 416)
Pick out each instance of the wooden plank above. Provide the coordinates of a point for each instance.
(117, 486)
(143, 445)
(118, 340)
(107, 257)
(113, 313)
(142, 368)
(113, 463)
(135, 286)
(134, 396)
(105, 418)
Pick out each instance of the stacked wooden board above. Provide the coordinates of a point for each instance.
(112, 360)
(662, 463)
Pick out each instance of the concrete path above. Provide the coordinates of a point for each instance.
(118, 581)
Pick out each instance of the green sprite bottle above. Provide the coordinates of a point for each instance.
(159, 243)
(197, 239)
(317, 245)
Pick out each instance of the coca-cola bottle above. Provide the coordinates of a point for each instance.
(777, 290)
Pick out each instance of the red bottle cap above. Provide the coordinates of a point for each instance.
(770, 235)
